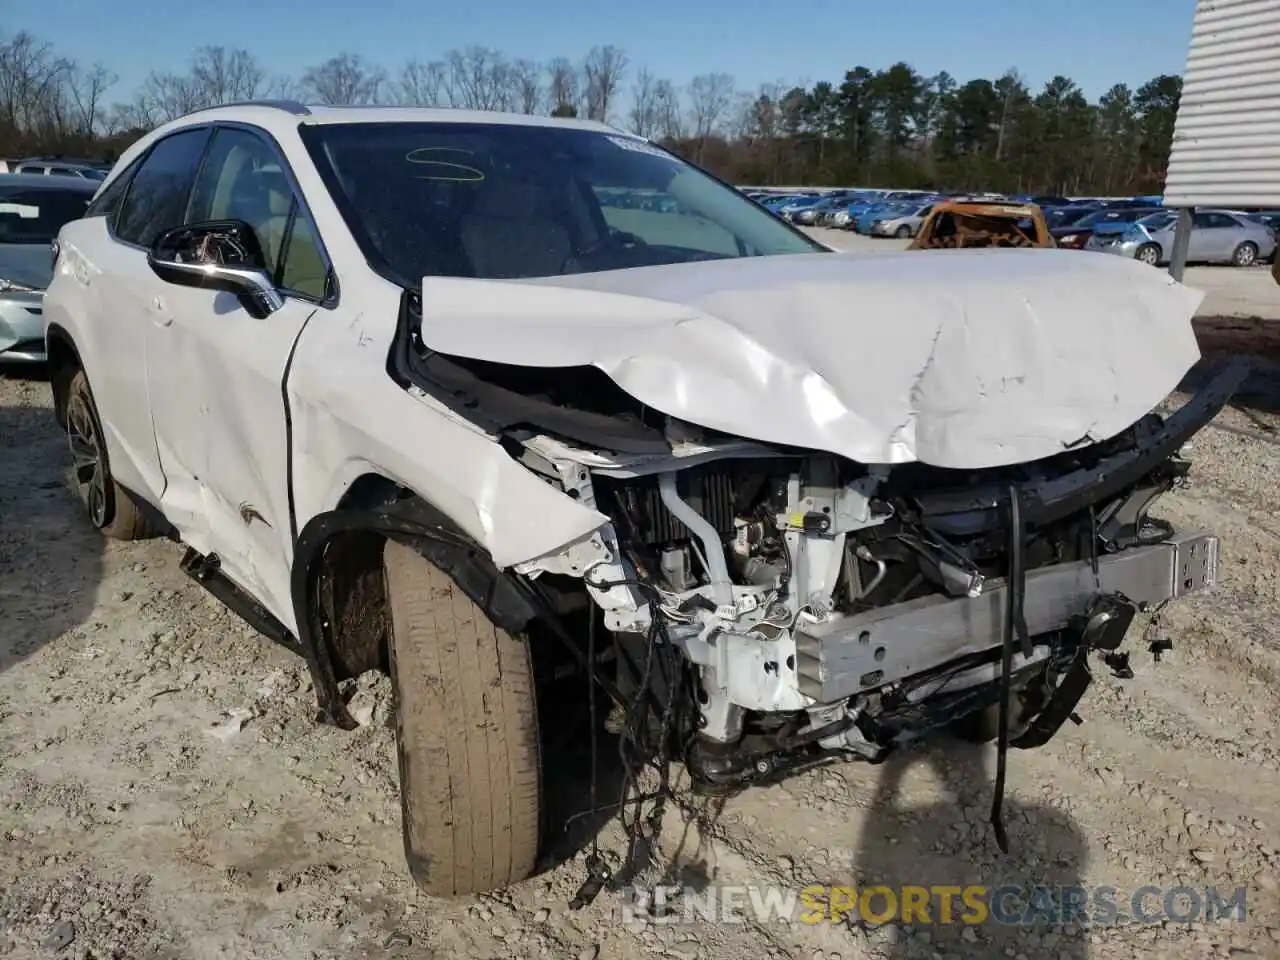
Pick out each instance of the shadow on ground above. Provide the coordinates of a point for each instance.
(1223, 339)
(50, 557)
(573, 816)
(950, 844)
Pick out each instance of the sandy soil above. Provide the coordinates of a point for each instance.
(164, 792)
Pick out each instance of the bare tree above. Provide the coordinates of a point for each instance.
(219, 75)
(285, 87)
(669, 111)
(526, 77)
(602, 73)
(344, 79)
(31, 79)
(710, 95)
(165, 96)
(563, 88)
(479, 78)
(644, 104)
(422, 84)
(86, 89)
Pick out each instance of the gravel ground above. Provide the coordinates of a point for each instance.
(164, 792)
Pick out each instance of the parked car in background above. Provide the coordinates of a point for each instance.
(954, 225)
(32, 211)
(810, 216)
(881, 211)
(848, 219)
(1068, 214)
(1077, 234)
(789, 210)
(45, 168)
(903, 223)
(1217, 236)
(1042, 200)
(1268, 218)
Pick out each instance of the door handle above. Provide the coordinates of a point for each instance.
(161, 316)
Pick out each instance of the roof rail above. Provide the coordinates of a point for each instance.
(294, 107)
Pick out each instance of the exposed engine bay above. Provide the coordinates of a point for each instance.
(769, 604)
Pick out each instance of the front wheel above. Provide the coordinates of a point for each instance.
(466, 732)
(903, 232)
(1245, 255)
(109, 505)
(1149, 253)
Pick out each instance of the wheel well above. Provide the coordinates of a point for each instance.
(353, 598)
(349, 597)
(351, 591)
(63, 362)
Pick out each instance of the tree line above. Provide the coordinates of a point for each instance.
(891, 127)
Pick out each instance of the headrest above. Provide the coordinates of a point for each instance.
(509, 198)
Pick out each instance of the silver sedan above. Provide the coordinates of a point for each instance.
(1217, 236)
(32, 210)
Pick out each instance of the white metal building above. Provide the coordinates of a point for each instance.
(1226, 140)
(1226, 143)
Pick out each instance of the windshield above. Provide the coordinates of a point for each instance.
(506, 201)
(35, 214)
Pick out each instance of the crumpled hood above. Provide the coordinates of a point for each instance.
(956, 358)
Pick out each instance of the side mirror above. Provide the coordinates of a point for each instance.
(218, 255)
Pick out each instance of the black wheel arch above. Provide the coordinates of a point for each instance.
(337, 584)
(63, 362)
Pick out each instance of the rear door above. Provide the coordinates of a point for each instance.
(1211, 235)
(125, 293)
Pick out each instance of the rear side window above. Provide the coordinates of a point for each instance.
(157, 197)
(107, 202)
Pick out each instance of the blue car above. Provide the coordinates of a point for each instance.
(880, 211)
(847, 219)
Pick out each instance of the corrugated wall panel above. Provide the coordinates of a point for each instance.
(1226, 143)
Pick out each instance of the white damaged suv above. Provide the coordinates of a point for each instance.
(450, 394)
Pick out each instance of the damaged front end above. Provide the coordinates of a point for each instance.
(819, 604)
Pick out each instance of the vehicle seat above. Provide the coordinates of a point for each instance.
(510, 233)
(266, 197)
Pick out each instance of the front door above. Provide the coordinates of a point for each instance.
(216, 376)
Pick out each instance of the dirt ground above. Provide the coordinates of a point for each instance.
(164, 792)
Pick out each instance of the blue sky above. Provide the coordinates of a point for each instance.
(1096, 42)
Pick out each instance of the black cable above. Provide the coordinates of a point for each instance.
(591, 712)
(1013, 621)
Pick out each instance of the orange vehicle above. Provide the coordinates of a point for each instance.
(958, 224)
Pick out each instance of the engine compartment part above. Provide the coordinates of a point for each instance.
(845, 656)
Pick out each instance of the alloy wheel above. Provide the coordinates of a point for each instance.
(88, 462)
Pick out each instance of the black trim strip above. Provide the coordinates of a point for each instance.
(288, 429)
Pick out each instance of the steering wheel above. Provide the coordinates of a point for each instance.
(614, 238)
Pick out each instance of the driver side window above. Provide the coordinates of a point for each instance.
(242, 179)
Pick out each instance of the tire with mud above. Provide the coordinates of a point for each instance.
(466, 732)
(110, 507)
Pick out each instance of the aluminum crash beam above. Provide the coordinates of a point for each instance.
(856, 654)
